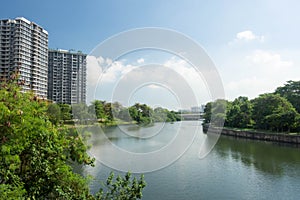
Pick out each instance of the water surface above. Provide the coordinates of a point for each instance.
(235, 169)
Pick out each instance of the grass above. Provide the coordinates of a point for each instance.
(261, 131)
(101, 123)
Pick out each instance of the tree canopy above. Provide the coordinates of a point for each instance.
(239, 113)
(34, 153)
(291, 91)
(271, 111)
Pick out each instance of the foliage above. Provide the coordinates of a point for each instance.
(34, 153)
(80, 112)
(207, 112)
(141, 113)
(121, 187)
(215, 112)
(108, 111)
(164, 115)
(98, 108)
(239, 114)
(54, 113)
(291, 91)
(102, 110)
(66, 111)
(273, 112)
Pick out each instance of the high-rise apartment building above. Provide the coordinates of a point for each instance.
(24, 48)
(66, 76)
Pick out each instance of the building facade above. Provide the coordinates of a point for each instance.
(66, 76)
(24, 48)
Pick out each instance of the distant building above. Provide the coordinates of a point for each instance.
(195, 109)
(24, 48)
(198, 109)
(184, 111)
(67, 76)
(202, 108)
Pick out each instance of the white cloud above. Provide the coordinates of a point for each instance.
(101, 71)
(248, 75)
(105, 69)
(247, 36)
(250, 87)
(257, 72)
(140, 61)
(107, 78)
(191, 76)
(268, 60)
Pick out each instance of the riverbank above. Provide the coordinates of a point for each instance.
(256, 135)
(73, 124)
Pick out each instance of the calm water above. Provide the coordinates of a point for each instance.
(235, 169)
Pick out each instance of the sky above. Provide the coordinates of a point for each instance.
(255, 44)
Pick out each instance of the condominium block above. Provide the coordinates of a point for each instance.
(66, 76)
(24, 48)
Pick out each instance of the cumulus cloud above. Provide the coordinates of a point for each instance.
(105, 76)
(191, 76)
(247, 36)
(185, 70)
(105, 70)
(259, 72)
(268, 59)
(140, 61)
(94, 70)
(248, 87)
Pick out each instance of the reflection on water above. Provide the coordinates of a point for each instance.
(235, 169)
(264, 156)
(134, 138)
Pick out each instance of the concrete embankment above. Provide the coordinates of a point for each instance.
(255, 135)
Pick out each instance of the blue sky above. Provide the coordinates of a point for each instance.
(254, 44)
(83, 24)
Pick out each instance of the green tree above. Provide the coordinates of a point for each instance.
(108, 111)
(239, 113)
(103, 110)
(34, 153)
(97, 108)
(164, 115)
(81, 113)
(172, 116)
(291, 91)
(160, 114)
(207, 112)
(273, 112)
(54, 113)
(66, 111)
(141, 113)
(122, 188)
(215, 112)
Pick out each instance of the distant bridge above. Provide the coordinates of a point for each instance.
(191, 116)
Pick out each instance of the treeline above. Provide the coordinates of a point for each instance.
(110, 113)
(278, 111)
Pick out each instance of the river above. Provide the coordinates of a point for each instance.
(234, 169)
